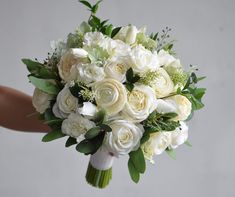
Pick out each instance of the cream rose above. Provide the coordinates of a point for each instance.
(127, 34)
(143, 60)
(179, 135)
(110, 95)
(165, 58)
(88, 73)
(68, 60)
(116, 68)
(66, 102)
(162, 84)
(141, 102)
(76, 125)
(41, 100)
(156, 145)
(124, 138)
(183, 106)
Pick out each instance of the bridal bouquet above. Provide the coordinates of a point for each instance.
(115, 91)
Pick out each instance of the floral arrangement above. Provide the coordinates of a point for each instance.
(115, 91)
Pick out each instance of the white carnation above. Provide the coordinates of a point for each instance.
(76, 125)
(143, 60)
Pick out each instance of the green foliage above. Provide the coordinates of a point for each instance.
(157, 122)
(90, 146)
(70, 141)
(136, 164)
(187, 143)
(93, 132)
(53, 135)
(115, 31)
(39, 70)
(100, 117)
(193, 93)
(146, 41)
(131, 78)
(171, 153)
(45, 85)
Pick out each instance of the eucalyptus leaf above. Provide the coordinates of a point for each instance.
(135, 175)
(53, 135)
(93, 132)
(137, 158)
(44, 85)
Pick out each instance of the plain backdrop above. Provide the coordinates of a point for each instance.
(204, 31)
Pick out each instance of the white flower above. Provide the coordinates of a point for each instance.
(183, 106)
(76, 125)
(127, 34)
(143, 60)
(68, 60)
(124, 138)
(41, 100)
(165, 58)
(116, 68)
(164, 107)
(162, 84)
(141, 102)
(66, 102)
(93, 38)
(57, 112)
(179, 135)
(110, 95)
(88, 73)
(156, 145)
(88, 109)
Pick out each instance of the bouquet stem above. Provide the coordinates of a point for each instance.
(99, 171)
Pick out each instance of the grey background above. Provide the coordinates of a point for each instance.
(205, 32)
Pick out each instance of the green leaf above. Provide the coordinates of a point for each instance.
(32, 66)
(129, 74)
(129, 86)
(95, 7)
(170, 115)
(100, 116)
(115, 31)
(137, 158)
(171, 153)
(135, 176)
(93, 132)
(70, 141)
(90, 146)
(145, 138)
(200, 78)
(108, 30)
(87, 4)
(84, 27)
(187, 143)
(105, 127)
(44, 85)
(53, 135)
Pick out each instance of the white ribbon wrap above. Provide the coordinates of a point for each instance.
(102, 159)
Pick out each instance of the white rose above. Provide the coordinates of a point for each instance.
(88, 109)
(41, 100)
(110, 95)
(116, 68)
(127, 34)
(182, 104)
(70, 58)
(179, 135)
(88, 73)
(76, 125)
(156, 145)
(165, 58)
(162, 84)
(67, 103)
(57, 112)
(143, 60)
(141, 102)
(124, 138)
